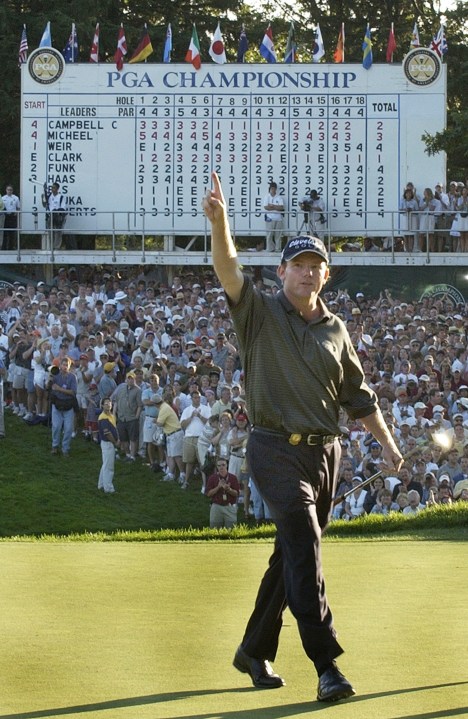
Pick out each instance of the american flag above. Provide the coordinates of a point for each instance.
(23, 48)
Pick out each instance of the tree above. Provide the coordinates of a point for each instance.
(454, 140)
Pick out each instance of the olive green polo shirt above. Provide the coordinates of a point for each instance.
(297, 373)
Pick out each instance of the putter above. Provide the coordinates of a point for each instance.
(365, 482)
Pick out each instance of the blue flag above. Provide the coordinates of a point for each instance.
(70, 51)
(168, 45)
(367, 49)
(243, 46)
(46, 39)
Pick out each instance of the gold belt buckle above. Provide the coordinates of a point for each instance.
(294, 439)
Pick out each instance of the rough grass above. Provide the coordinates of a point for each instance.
(47, 498)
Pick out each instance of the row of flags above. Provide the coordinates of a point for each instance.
(217, 49)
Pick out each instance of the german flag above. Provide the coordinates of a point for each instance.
(144, 48)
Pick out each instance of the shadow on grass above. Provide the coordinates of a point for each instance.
(271, 712)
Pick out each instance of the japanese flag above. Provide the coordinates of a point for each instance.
(217, 51)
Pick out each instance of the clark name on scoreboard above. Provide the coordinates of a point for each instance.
(142, 142)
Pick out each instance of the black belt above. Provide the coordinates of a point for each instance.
(296, 438)
(174, 432)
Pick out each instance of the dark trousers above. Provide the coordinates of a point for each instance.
(297, 483)
(9, 234)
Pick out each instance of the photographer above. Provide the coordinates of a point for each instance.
(223, 489)
(313, 208)
(23, 344)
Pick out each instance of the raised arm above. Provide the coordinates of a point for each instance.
(222, 246)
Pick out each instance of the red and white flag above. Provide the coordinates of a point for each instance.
(217, 51)
(121, 49)
(94, 54)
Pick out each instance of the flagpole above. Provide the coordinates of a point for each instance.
(391, 58)
(343, 36)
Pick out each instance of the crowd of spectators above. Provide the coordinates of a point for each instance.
(166, 356)
(431, 219)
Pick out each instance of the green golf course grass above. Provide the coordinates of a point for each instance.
(148, 631)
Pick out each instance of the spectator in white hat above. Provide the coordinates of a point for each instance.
(450, 468)
(400, 408)
(461, 405)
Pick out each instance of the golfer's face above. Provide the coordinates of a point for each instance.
(303, 276)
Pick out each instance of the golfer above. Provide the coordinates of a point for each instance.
(300, 366)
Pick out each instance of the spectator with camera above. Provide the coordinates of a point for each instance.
(313, 208)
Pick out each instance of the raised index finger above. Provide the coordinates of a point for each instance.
(217, 189)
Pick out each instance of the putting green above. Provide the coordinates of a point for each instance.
(148, 631)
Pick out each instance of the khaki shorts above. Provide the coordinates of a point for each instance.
(20, 377)
(189, 452)
(149, 428)
(175, 443)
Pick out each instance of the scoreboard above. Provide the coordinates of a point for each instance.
(134, 149)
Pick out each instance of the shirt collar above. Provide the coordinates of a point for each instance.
(326, 315)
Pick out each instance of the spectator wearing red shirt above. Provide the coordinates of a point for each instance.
(223, 490)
